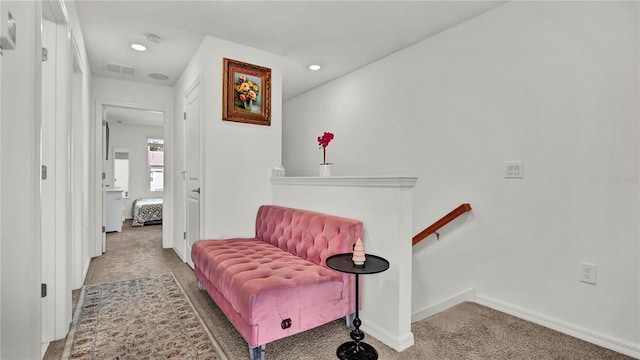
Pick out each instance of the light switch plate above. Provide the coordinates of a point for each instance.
(513, 170)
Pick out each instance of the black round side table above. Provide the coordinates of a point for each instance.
(356, 349)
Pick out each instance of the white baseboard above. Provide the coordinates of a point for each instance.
(467, 295)
(397, 343)
(86, 270)
(45, 346)
(606, 341)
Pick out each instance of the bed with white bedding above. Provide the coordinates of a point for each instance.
(146, 212)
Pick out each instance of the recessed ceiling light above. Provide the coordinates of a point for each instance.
(314, 67)
(138, 47)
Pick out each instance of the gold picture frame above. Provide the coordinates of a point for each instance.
(246, 93)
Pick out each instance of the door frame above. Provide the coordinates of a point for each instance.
(96, 247)
(79, 165)
(1, 54)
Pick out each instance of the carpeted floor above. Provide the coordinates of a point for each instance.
(466, 331)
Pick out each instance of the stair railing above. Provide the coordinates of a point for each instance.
(433, 228)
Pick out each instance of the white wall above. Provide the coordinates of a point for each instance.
(131, 92)
(237, 157)
(20, 237)
(20, 172)
(552, 84)
(133, 138)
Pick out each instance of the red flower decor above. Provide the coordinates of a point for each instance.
(324, 141)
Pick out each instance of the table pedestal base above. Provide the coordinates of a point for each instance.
(356, 351)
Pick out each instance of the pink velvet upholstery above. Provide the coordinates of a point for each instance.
(280, 274)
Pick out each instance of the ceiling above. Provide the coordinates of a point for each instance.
(341, 36)
(131, 116)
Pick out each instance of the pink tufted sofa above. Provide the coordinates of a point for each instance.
(277, 284)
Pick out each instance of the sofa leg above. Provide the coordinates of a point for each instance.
(200, 287)
(349, 320)
(257, 353)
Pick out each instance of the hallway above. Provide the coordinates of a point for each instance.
(135, 252)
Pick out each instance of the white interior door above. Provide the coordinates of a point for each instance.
(47, 184)
(55, 185)
(193, 166)
(79, 172)
(105, 151)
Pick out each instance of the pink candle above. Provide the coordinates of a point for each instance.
(358, 253)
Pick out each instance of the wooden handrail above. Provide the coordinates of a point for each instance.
(440, 223)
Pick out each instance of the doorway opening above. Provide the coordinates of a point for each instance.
(132, 174)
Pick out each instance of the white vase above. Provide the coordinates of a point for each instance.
(325, 169)
(277, 171)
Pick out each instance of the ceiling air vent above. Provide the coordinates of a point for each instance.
(159, 76)
(121, 69)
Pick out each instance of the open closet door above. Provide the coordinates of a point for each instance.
(193, 162)
(105, 157)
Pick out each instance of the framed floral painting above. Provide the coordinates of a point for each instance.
(246, 93)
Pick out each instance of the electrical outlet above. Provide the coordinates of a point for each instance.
(588, 273)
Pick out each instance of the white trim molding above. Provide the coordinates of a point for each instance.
(467, 295)
(359, 181)
(590, 336)
(396, 343)
(594, 337)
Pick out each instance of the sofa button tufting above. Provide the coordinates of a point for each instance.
(286, 323)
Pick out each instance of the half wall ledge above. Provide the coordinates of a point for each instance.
(358, 181)
(385, 206)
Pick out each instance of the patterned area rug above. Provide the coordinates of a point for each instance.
(146, 318)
